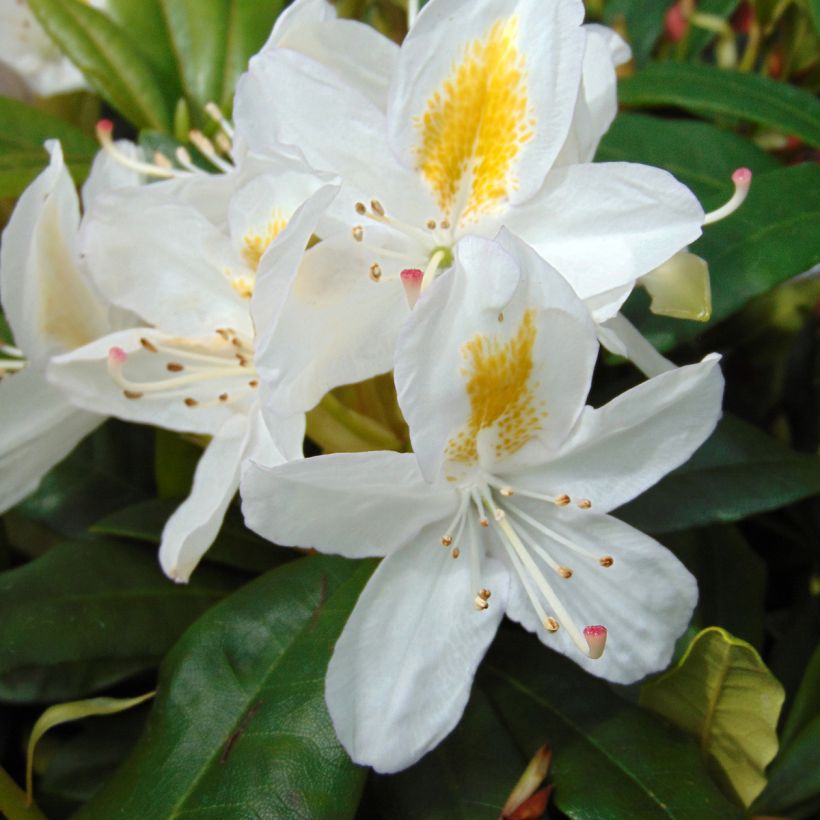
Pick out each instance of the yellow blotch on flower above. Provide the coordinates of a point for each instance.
(501, 392)
(254, 245)
(475, 124)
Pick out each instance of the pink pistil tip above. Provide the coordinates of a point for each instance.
(117, 356)
(742, 176)
(105, 126)
(412, 275)
(675, 23)
(596, 639)
(412, 278)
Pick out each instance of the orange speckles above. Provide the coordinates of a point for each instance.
(475, 124)
(501, 392)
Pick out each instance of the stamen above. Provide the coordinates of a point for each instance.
(223, 143)
(215, 113)
(131, 394)
(191, 402)
(358, 232)
(431, 224)
(105, 131)
(508, 490)
(432, 268)
(585, 504)
(11, 350)
(482, 599)
(174, 367)
(377, 207)
(456, 552)
(606, 561)
(206, 148)
(361, 208)
(482, 515)
(560, 569)
(375, 271)
(446, 540)
(411, 279)
(12, 364)
(184, 159)
(742, 179)
(551, 624)
(596, 638)
(525, 582)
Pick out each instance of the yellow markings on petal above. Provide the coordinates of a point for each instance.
(501, 392)
(475, 124)
(255, 244)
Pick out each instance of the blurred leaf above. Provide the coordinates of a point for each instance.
(235, 546)
(86, 615)
(704, 89)
(241, 693)
(699, 154)
(23, 130)
(643, 20)
(794, 777)
(68, 712)
(213, 42)
(771, 238)
(606, 751)
(738, 472)
(814, 11)
(13, 805)
(698, 37)
(722, 693)
(175, 461)
(469, 775)
(107, 58)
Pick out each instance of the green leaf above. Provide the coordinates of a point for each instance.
(241, 711)
(23, 130)
(213, 42)
(699, 154)
(814, 12)
(643, 20)
(69, 712)
(13, 804)
(469, 775)
(698, 38)
(107, 58)
(722, 693)
(703, 89)
(606, 751)
(738, 472)
(175, 462)
(87, 615)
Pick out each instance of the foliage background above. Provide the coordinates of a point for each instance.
(239, 727)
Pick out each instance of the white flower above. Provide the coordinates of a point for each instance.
(51, 308)
(493, 113)
(189, 275)
(516, 479)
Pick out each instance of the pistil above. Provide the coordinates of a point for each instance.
(742, 179)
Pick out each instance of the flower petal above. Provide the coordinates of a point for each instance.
(604, 224)
(623, 448)
(402, 670)
(645, 599)
(371, 503)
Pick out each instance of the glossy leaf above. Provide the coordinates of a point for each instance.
(722, 693)
(107, 58)
(86, 615)
(605, 750)
(703, 89)
(240, 716)
(643, 21)
(738, 472)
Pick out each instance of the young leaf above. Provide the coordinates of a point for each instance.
(704, 89)
(241, 709)
(722, 693)
(605, 750)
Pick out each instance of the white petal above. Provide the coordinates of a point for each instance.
(195, 523)
(402, 670)
(645, 599)
(620, 336)
(623, 448)
(476, 80)
(604, 224)
(499, 295)
(40, 428)
(370, 503)
(46, 297)
(164, 261)
(108, 173)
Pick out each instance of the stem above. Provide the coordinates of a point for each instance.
(13, 801)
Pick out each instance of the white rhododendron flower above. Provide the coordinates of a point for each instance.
(190, 367)
(492, 116)
(503, 507)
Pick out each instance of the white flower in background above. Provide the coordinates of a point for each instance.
(51, 308)
(191, 366)
(514, 479)
(493, 113)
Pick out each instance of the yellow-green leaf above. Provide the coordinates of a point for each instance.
(723, 693)
(67, 712)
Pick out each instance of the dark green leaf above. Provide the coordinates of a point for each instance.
(814, 11)
(771, 238)
(643, 20)
(241, 712)
(704, 89)
(610, 759)
(86, 615)
(468, 776)
(738, 472)
(107, 58)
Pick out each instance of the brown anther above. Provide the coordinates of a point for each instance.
(565, 572)
(501, 316)
(606, 561)
(445, 223)
(484, 522)
(358, 232)
(506, 491)
(223, 142)
(236, 342)
(446, 540)
(191, 402)
(375, 271)
(480, 604)
(223, 396)
(361, 208)
(584, 503)
(243, 362)
(253, 383)
(551, 624)
(499, 514)
(456, 552)
(431, 224)
(562, 500)
(377, 207)
(485, 594)
(148, 345)
(174, 367)
(220, 331)
(131, 394)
